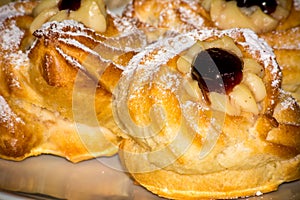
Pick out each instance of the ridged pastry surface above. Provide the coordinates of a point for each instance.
(178, 140)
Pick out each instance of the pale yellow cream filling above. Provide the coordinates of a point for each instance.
(92, 13)
(245, 96)
(226, 14)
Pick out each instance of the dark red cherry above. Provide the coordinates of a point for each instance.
(69, 4)
(217, 70)
(267, 6)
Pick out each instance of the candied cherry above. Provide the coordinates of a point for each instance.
(69, 4)
(267, 6)
(217, 70)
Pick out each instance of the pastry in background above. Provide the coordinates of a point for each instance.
(158, 18)
(183, 15)
(206, 117)
(286, 45)
(56, 78)
(259, 16)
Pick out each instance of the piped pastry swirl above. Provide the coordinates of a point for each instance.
(182, 135)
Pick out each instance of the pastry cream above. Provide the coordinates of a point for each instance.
(91, 13)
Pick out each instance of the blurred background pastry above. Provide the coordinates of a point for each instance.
(287, 49)
(260, 16)
(157, 18)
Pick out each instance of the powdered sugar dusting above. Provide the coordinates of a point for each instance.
(70, 59)
(258, 193)
(258, 45)
(125, 24)
(18, 59)
(177, 15)
(267, 57)
(169, 81)
(297, 5)
(77, 44)
(148, 61)
(66, 27)
(10, 36)
(191, 17)
(8, 11)
(134, 40)
(10, 40)
(145, 68)
(192, 4)
(291, 41)
(288, 101)
(7, 115)
(192, 107)
(71, 29)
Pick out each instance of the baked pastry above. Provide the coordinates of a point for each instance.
(158, 18)
(181, 15)
(260, 16)
(285, 44)
(56, 83)
(206, 117)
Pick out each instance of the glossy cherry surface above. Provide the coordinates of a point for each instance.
(217, 70)
(267, 6)
(69, 4)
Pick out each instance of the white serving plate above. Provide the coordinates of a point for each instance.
(93, 179)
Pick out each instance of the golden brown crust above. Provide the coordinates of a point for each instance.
(225, 184)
